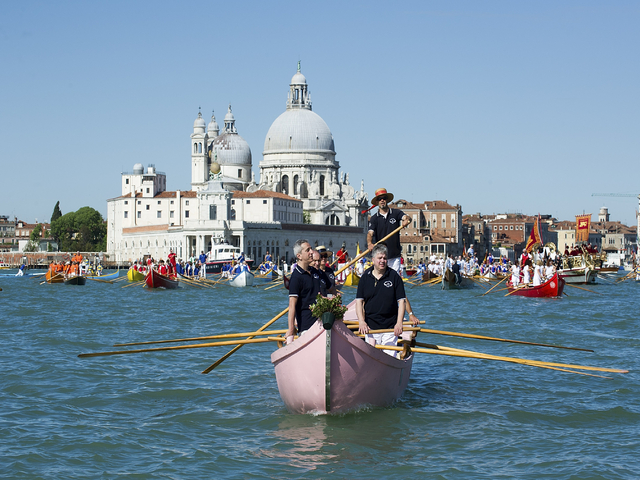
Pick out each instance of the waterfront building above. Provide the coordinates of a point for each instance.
(301, 193)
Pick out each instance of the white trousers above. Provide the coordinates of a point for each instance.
(395, 264)
(383, 339)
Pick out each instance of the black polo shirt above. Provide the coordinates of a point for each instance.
(328, 271)
(306, 286)
(381, 298)
(383, 226)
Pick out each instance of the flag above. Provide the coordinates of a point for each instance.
(534, 238)
(583, 225)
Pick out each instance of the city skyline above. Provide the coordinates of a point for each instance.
(497, 107)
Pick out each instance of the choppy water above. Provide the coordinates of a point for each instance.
(155, 415)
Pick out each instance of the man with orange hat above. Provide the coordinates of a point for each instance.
(381, 224)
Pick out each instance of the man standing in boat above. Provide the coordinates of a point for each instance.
(380, 301)
(381, 224)
(304, 286)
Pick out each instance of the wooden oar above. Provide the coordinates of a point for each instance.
(517, 289)
(208, 337)
(496, 339)
(183, 347)
(134, 284)
(52, 277)
(495, 285)
(482, 284)
(582, 288)
(286, 310)
(483, 356)
(273, 286)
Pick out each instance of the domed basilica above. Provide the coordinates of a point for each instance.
(300, 194)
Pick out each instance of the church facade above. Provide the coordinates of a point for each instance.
(300, 194)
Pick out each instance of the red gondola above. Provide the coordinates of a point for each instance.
(155, 280)
(551, 288)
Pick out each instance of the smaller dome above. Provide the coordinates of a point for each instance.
(232, 149)
(229, 116)
(198, 125)
(298, 79)
(138, 169)
(213, 125)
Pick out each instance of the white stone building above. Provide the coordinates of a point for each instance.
(225, 204)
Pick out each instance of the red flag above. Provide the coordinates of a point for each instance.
(583, 225)
(534, 238)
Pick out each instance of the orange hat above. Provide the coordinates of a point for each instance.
(380, 193)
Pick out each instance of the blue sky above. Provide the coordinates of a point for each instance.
(499, 106)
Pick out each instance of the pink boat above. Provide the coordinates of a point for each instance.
(334, 371)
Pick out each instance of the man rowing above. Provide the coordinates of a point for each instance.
(381, 224)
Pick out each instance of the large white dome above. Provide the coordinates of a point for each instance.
(232, 149)
(299, 130)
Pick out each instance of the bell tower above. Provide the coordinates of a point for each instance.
(199, 173)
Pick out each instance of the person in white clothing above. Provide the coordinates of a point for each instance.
(515, 274)
(537, 274)
(526, 272)
(549, 270)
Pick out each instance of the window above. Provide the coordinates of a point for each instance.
(126, 182)
(126, 202)
(239, 173)
(213, 212)
(159, 202)
(511, 228)
(285, 184)
(126, 214)
(495, 227)
(233, 202)
(500, 227)
(139, 214)
(186, 202)
(322, 185)
(264, 202)
(186, 214)
(248, 202)
(171, 214)
(295, 184)
(159, 214)
(148, 207)
(171, 202)
(147, 190)
(139, 202)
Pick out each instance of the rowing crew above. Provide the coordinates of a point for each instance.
(541, 273)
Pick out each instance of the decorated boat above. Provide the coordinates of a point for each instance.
(269, 275)
(135, 275)
(334, 371)
(551, 288)
(578, 275)
(75, 280)
(156, 280)
(244, 278)
(54, 277)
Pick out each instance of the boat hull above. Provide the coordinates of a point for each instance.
(110, 276)
(135, 276)
(334, 371)
(352, 279)
(551, 288)
(449, 281)
(242, 279)
(51, 277)
(75, 280)
(580, 276)
(155, 280)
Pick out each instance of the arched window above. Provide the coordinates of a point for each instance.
(200, 147)
(332, 219)
(285, 184)
(295, 185)
(195, 148)
(322, 185)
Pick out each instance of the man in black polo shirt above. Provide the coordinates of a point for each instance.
(380, 300)
(304, 286)
(381, 224)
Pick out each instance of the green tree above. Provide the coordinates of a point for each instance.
(34, 239)
(83, 230)
(57, 213)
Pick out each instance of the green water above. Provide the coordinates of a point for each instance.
(155, 415)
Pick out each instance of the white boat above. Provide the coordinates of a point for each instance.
(221, 254)
(242, 279)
